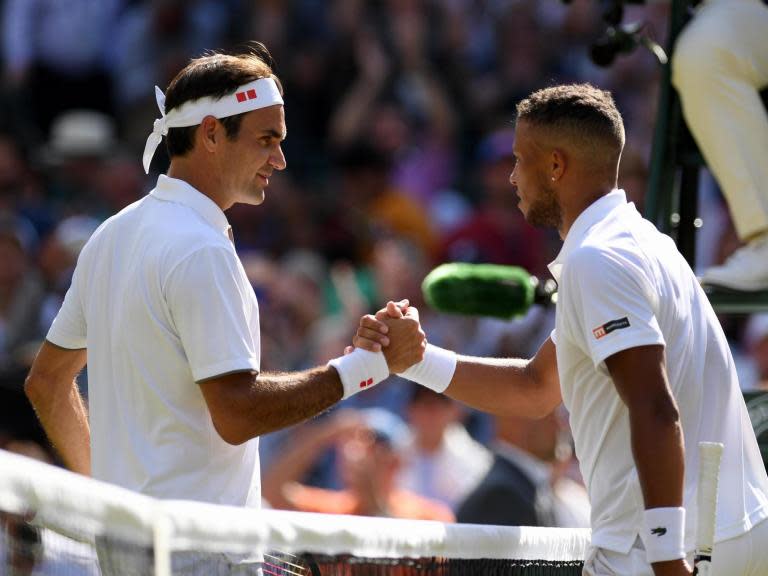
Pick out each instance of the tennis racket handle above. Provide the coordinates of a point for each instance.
(710, 454)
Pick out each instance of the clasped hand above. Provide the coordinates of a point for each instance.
(395, 330)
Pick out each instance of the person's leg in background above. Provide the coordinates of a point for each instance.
(719, 64)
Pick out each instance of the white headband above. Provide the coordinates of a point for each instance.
(252, 96)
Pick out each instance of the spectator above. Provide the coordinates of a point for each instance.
(370, 206)
(369, 446)
(21, 294)
(59, 47)
(496, 231)
(57, 259)
(517, 489)
(443, 462)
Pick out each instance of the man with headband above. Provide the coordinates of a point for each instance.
(161, 303)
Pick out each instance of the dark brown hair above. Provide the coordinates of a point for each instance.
(214, 75)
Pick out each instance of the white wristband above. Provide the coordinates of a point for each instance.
(360, 370)
(663, 534)
(436, 369)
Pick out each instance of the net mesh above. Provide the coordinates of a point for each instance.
(55, 522)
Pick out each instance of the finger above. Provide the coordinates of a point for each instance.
(365, 344)
(382, 314)
(348, 350)
(403, 304)
(374, 323)
(412, 312)
(394, 310)
(373, 336)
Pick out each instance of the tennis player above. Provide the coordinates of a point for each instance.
(161, 309)
(637, 356)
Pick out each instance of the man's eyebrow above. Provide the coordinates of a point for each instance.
(274, 134)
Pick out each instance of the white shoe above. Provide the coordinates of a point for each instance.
(746, 269)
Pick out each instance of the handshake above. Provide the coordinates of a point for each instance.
(392, 340)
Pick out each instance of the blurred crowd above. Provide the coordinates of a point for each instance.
(399, 152)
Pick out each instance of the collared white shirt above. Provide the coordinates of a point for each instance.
(623, 284)
(161, 301)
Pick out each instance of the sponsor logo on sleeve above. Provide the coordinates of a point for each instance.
(609, 327)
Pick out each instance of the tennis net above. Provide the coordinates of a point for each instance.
(59, 523)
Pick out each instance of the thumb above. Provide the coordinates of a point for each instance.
(412, 312)
(348, 350)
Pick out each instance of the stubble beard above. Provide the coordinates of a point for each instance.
(545, 211)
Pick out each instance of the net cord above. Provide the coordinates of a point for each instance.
(82, 508)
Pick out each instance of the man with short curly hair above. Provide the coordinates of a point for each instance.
(637, 356)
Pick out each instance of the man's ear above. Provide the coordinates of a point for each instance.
(558, 164)
(208, 133)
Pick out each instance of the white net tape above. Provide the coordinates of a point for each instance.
(84, 509)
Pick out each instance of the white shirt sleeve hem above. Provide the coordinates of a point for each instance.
(65, 341)
(232, 365)
(625, 344)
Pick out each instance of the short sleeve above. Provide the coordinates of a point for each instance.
(68, 329)
(613, 304)
(215, 313)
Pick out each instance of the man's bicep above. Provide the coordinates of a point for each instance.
(639, 373)
(615, 306)
(54, 362)
(68, 329)
(543, 366)
(222, 395)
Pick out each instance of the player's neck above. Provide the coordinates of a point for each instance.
(200, 178)
(577, 201)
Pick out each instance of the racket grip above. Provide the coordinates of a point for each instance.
(710, 454)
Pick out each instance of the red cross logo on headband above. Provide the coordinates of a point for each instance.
(246, 95)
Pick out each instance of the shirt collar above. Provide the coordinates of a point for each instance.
(595, 212)
(174, 190)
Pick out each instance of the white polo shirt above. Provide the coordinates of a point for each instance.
(160, 300)
(623, 284)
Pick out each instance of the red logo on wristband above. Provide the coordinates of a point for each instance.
(366, 383)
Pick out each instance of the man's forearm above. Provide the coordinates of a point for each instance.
(509, 386)
(640, 377)
(311, 392)
(245, 405)
(62, 413)
(659, 453)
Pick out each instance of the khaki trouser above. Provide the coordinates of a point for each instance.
(719, 63)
